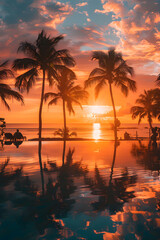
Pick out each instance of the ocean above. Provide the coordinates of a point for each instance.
(93, 130)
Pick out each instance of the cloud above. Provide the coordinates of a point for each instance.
(23, 20)
(136, 26)
(82, 4)
(113, 6)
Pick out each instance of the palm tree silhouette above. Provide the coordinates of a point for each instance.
(68, 92)
(43, 59)
(147, 156)
(112, 70)
(5, 90)
(113, 195)
(7, 175)
(65, 134)
(148, 106)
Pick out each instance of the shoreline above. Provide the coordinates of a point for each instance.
(85, 139)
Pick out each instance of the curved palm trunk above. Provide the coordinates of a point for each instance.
(113, 162)
(150, 121)
(64, 119)
(114, 112)
(40, 132)
(41, 105)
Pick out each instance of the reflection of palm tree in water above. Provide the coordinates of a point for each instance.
(65, 134)
(43, 210)
(36, 209)
(40, 164)
(116, 144)
(147, 155)
(114, 194)
(7, 176)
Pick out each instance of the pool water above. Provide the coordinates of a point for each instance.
(102, 191)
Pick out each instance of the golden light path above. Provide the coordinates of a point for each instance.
(96, 131)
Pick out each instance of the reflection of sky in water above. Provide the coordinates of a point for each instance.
(135, 175)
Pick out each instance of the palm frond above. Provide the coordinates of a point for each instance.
(29, 49)
(24, 63)
(99, 87)
(65, 72)
(4, 64)
(50, 95)
(62, 57)
(136, 110)
(92, 80)
(97, 71)
(70, 107)
(52, 75)
(4, 73)
(57, 39)
(72, 134)
(6, 93)
(101, 57)
(53, 101)
(5, 102)
(26, 80)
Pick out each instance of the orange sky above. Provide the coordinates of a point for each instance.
(28, 113)
(132, 27)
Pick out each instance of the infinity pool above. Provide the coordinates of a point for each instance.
(102, 191)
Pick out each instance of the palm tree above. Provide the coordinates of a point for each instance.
(112, 70)
(68, 92)
(147, 155)
(65, 133)
(114, 195)
(148, 106)
(42, 58)
(5, 90)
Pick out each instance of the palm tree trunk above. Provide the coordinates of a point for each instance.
(150, 121)
(114, 112)
(40, 164)
(113, 162)
(64, 118)
(64, 122)
(41, 105)
(40, 132)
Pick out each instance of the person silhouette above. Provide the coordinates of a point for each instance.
(18, 135)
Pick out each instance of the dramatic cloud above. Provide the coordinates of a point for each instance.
(132, 26)
(136, 24)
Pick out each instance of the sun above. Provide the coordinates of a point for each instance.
(94, 111)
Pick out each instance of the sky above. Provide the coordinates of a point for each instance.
(131, 26)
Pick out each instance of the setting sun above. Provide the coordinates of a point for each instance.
(93, 111)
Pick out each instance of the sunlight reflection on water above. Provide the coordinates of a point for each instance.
(96, 131)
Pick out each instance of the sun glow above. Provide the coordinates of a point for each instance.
(96, 131)
(94, 111)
